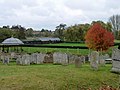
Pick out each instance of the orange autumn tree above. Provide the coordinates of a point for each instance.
(99, 39)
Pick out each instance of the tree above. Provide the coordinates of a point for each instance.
(61, 26)
(74, 33)
(19, 31)
(21, 34)
(5, 33)
(115, 22)
(29, 32)
(107, 25)
(46, 33)
(59, 31)
(98, 38)
(6, 26)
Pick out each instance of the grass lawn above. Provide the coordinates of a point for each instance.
(117, 41)
(66, 44)
(65, 50)
(69, 51)
(55, 77)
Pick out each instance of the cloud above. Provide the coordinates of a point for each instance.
(85, 4)
(48, 14)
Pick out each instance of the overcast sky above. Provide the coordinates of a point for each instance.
(47, 14)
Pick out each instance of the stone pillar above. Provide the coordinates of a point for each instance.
(25, 60)
(6, 60)
(116, 60)
(78, 62)
(40, 58)
(60, 58)
(101, 60)
(94, 59)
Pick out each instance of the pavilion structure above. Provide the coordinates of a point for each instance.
(11, 44)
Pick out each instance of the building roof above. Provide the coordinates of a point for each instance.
(49, 39)
(12, 41)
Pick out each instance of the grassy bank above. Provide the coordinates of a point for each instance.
(66, 44)
(65, 50)
(69, 51)
(45, 50)
(55, 77)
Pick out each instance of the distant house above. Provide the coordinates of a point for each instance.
(43, 40)
(49, 39)
(36, 32)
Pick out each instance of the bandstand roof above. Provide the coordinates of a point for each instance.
(12, 41)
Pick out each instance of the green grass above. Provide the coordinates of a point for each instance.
(117, 41)
(45, 50)
(55, 77)
(66, 44)
(64, 50)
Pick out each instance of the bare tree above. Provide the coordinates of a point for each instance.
(115, 22)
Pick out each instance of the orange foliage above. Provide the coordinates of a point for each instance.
(97, 38)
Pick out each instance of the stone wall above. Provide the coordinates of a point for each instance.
(40, 58)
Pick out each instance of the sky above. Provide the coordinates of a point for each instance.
(48, 14)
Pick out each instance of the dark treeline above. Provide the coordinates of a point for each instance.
(16, 31)
(67, 33)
